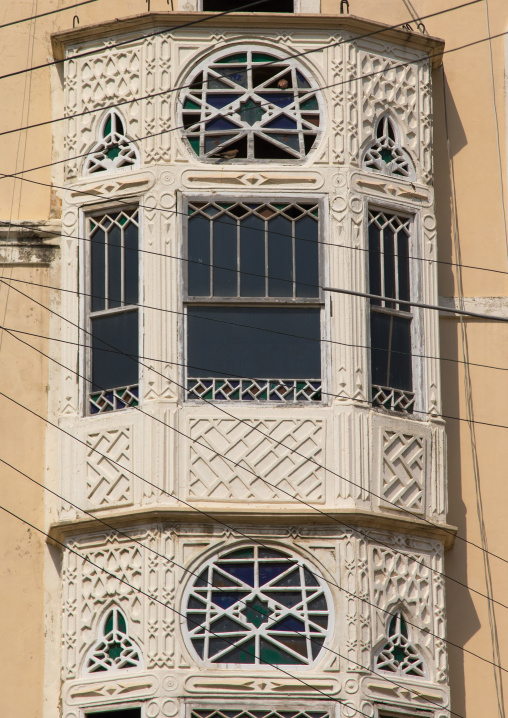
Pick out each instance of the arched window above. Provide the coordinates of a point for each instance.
(258, 606)
(250, 105)
(114, 649)
(385, 154)
(114, 151)
(398, 654)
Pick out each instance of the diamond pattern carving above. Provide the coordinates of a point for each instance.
(213, 478)
(107, 483)
(402, 470)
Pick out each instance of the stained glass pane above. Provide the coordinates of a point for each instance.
(253, 87)
(261, 626)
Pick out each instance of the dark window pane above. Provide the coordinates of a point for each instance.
(252, 257)
(225, 255)
(231, 345)
(280, 258)
(131, 264)
(98, 271)
(199, 257)
(391, 351)
(114, 267)
(306, 257)
(403, 266)
(268, 6)
(119, 332)
(374, 263)
(112, 713)
(389, 265)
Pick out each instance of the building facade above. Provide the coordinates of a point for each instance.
(234, 250)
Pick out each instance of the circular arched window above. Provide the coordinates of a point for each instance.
(251, 105)
(257, 606)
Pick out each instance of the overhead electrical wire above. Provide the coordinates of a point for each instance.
(214, 16)
(182, 615)
(221, 408)
(290, 561)
(45, 14)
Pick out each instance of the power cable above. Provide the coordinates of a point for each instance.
(290, 561)
(45, 14)
(114, 45)
(216, 15)
(137, 408)
(237, 530)
(178, 613)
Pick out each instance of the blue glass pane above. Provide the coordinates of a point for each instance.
(98, 270)
(280, 258)
(252, 257)
(236, 75)
(216, 84)
(220, 101)
(199, 257)
(277, 98)
(131, 264)
(112, 369)
(225, 599)
(292, 141)
(244, 572)
(301, 81)
(214, 142)
(282, 123)
(306, 257)
(225, 256)
(290, 623)
(115, 267)
(220, 124)
(269, 571)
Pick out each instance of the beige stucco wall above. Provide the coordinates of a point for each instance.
(475, 500)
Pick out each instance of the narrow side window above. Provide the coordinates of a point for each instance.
(390, 321)
(113, 312)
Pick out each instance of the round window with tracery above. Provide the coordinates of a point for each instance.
(250, 105)
(258, 606)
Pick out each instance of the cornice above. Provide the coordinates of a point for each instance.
(143, 23)
(127, 519)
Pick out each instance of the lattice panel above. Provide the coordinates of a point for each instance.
(213, 478)
(400, 578)
(107, 483)
(390, 84)
(402, 479)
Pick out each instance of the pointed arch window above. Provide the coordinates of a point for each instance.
(398, 654)
(113, 650)
(114, 151)
(386, 154)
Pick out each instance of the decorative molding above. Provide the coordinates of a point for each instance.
(195, 178)
(403, 470)
(108, 484)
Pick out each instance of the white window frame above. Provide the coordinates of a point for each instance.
(319, 198)
(84, 282)
(416, 293)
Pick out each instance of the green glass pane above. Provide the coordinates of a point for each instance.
(107, 128)
(122, 220)
(310, 104)
(122, 626)
(240, 57)
(194, 143)
(386, 156)
(114, 650)
(257, 612)
(93, 225)
(279, 206)
(251, 112)
(315, 212)
(113, 152)
(260, 57)
(135, 402)
(190, 105)
(399, 654)
(276, 656)
(109, 623)
(403, 627)
(225, 205)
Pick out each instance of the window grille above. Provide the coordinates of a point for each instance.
(115, 713)
(386, 155)
(114, 151)
(113, 314)
(398, 655)
(232, 712)
(253, 302)
(390, 322)
(241, 107)
(113, 650)
(262, 605)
